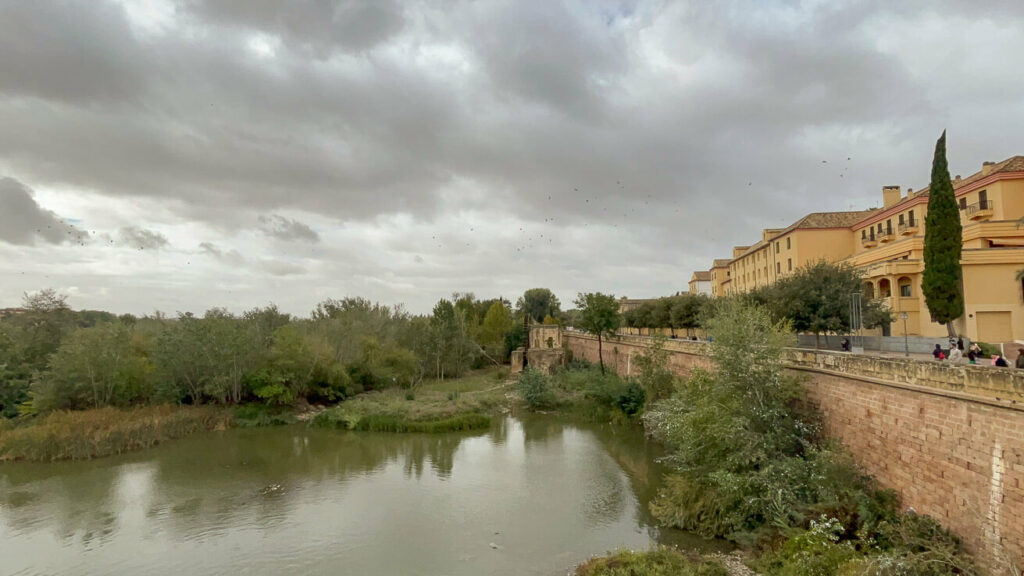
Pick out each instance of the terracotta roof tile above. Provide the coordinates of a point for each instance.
(701, 275)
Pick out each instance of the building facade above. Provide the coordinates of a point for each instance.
(700, 282)
(887, 244)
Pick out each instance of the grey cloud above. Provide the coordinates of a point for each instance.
(320, 26)
(282, 228)
(281, 268)
(142, 239)
(22, 221)
(680, 127)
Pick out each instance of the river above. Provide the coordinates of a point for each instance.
(529, 496)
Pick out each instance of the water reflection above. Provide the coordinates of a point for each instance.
(545, 493)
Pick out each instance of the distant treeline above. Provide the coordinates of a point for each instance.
(54, 358)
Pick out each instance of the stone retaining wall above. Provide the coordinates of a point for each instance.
(948, 438)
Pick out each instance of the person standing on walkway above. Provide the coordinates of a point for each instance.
(955, 355)
(960, 344)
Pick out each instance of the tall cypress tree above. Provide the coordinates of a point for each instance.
(943, 241)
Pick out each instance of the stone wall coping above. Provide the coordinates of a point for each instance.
(1003, 387)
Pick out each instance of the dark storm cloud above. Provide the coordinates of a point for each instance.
(283, 228)
(22, 221)
(141, 239)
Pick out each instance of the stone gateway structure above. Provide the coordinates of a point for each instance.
(948, 438)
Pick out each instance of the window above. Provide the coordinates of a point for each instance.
(789, 264)
(879, 228)
(777, 247)
(911, 218)
(901, 220)
(905, 289)
(888, 226)
(983, 200)
(863, 234)
(963, 203)
(778, 267)
(788, 243)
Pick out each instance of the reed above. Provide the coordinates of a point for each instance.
(85, 434)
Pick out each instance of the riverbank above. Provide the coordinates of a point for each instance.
(465, 403)
(85, 434)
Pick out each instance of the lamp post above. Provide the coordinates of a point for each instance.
(906, 345)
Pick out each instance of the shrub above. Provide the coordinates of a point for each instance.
(660, 562)
(258, 415)
(535, 389)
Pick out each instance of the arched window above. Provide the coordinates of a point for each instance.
(884, 288)
(905, 287)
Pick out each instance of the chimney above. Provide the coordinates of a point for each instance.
(986, 168)
(910, 192)
(890, 195)
(957, 179)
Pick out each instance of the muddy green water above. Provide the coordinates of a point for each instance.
(529, 496)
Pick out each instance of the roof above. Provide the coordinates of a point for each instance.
(815, 220)
(701, 276)
(1012, 164)
(721, 263)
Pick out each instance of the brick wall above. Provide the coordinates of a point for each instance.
(949, 439)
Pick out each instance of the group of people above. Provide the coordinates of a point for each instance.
(974, 354)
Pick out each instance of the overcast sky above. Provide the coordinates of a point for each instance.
(184, 154)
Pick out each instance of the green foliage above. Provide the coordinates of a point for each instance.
(816, 299)
(94, 367)
(88, 434)
(536, 303)
(599, 315)
(535, 388)
(655, 375)
(818, 551)
(942, 282)
(494, 330)
(258, 415)
(659, 562)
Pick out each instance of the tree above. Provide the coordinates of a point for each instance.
(496, 325)
(942, 283)
(93, 367)
(599, 315)
(816, 299)
(536, 303)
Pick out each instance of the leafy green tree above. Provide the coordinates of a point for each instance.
(816, 299)
(495, 327)
(942, 283)
(599, 315)
(731, 431)
(536, 303)
(94, 367)
(654, 373)
(15, 373)
(47, 319)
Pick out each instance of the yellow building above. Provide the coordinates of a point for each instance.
(890, 250)
(817, 236)
(719, 275)
(700, 282)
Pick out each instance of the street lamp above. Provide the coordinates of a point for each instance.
(906, 345)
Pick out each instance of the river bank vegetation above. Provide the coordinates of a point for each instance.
(749, 463)
(261, 367)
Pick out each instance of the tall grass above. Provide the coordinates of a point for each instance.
(86, 434)
(660, 562)
(398, 423)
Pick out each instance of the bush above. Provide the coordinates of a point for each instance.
(258, 415)
(660, 562)
(535, 389)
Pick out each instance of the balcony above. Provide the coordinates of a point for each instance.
(869, 242)
(908, 229)
(980, 211)
(886, 236)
